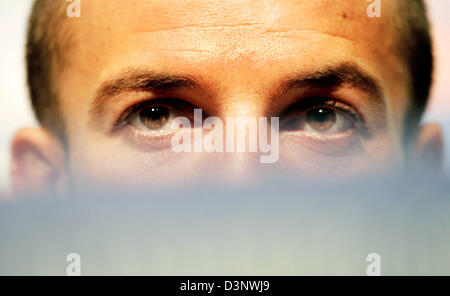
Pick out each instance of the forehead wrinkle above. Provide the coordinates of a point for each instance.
(240, 45)
(296, 33)
(201, 26)
(238, 27)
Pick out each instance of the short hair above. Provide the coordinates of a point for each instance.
(416, 48)
(44, 50)
(47, 36)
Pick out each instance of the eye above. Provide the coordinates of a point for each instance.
(152, 118)
(155, 115)
(321, 117)
(326, 121)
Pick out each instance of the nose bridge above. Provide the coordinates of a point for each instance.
(240, 106)
(240, 117)
(243, 101)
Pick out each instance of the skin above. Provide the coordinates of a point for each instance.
(239, 52)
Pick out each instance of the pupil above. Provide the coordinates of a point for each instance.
(321, 115)
(154, 117)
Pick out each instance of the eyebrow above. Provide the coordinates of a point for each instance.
(138, 81)
(326, 77)
(337, 76)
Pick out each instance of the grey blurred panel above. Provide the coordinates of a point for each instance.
(275, 230)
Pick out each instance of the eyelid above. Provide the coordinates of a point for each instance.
(315, 102)
(176, 105)
(306, 104)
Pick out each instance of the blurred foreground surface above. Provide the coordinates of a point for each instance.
(276, 227)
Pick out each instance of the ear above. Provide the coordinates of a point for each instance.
(37, 163)
(427, 151)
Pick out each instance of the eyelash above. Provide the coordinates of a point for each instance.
(183, 108)
(310, 103)
(173, 104)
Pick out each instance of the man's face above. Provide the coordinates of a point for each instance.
(326, 69)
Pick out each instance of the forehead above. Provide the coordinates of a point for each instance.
(234, 28)
(228, 41)
(150, 15)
